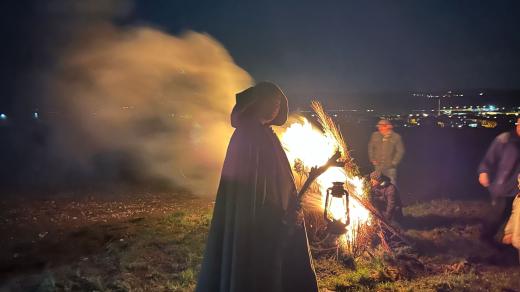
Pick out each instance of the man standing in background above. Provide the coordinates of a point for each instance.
(498, 172)
(385, 150)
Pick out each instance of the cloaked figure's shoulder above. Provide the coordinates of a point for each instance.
(250, 132)
(250, 138)
(242, 152)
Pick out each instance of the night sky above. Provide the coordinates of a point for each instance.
(326, 49)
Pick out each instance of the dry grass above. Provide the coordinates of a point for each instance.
(163, 251)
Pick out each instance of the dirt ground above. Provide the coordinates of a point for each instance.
(153, 241)
(56, 238)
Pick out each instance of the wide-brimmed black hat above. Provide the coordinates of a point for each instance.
(247, 99)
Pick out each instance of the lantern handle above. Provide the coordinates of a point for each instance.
(317, 171)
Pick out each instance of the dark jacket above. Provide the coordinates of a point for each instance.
(386, 151)
(386, 199)
(502, 164)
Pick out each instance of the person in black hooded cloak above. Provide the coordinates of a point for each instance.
(257, 240)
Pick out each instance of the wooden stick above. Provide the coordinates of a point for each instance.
(317, 171)
(381, 219)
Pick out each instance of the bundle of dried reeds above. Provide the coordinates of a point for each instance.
(330, 129)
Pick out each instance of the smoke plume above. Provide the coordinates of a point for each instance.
(138, 103)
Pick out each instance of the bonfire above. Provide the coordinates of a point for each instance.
(308, 146)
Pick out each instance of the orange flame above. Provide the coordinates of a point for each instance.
(303, 142)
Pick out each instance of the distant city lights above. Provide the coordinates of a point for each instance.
(438, 96)
(458, 116)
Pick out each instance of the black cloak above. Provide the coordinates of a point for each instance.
(249, 248)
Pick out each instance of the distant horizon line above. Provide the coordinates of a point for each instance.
(475, 90)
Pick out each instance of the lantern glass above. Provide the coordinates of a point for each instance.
(336, 204)
(336, 209)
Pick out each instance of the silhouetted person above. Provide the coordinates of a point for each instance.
(498, 172)
(385, 150)
(249, 246)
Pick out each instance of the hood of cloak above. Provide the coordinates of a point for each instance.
(246, 100)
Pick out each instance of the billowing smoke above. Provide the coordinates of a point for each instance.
(137, 103)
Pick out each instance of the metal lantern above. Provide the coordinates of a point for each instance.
(336, 209)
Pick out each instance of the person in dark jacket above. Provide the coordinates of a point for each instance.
(257, 240)
(385, 150)
(498, 172)
(385, 197)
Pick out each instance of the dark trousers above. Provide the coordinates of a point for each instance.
(500, 212)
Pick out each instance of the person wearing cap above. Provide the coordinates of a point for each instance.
(385, 197)
(257, 240)
(498, 173)
(385, 150)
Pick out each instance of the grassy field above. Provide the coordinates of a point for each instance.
(154, 242)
